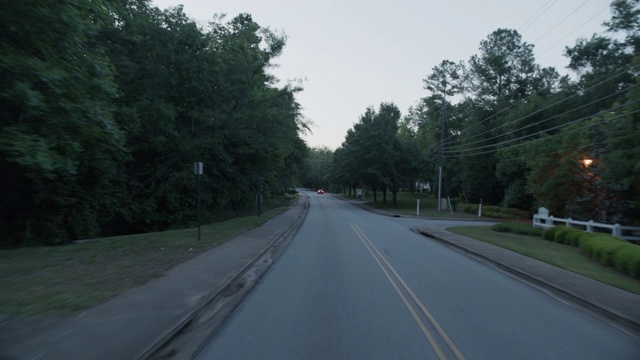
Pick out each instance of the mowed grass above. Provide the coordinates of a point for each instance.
(407, 205)
(63, 280)
(563, 256)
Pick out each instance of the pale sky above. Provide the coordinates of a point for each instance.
(352, 54)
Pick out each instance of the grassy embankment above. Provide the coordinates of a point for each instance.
(560, 255)
(63, 280)
(407, 205)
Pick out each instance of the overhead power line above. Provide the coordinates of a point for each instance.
(578, 148)
(561, 21)
(522, 29)
(546, 107)
(574, 30)
(538, 122)
(460, 153)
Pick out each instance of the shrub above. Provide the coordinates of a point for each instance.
(605, 250)
(589, 242)
(501, 227)
(520, 229)
(573, 238)
(532, 231)
(516, 196)
(550, 233)
(584, 236)
(498, 212)
(627, 260)
(562, 235)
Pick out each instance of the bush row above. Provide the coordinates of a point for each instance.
(604, 248)
(520, 229)
(498, 212)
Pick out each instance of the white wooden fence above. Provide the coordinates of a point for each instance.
(544, 220)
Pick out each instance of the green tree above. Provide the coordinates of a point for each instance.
(438, 123)
(621, 161)
(504, 71)
(374, 153)
(60, 143)
(342, 168)
(318, 168)
(106, 104)
(204, 96)
(360, 145)
(595, 126)
(407, 163)
(498, 80)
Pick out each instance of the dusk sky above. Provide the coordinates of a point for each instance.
(354, 54)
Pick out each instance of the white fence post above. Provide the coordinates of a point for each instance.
(617, 230)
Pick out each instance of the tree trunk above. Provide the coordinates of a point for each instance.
(384, 194)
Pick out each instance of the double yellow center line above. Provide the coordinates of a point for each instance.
(430, 338)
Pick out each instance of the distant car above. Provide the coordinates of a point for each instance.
(320, 191)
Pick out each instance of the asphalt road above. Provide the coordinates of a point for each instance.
(356, 285)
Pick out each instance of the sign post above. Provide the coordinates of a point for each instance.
(197, 171)
(259, 201)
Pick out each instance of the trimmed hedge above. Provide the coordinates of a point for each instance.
(627, 260)
(597, 243)
(604, 248)
(519, 229)
(550, 233)
(574, 237)
(498, 212)
(501, 227)
(562, 235)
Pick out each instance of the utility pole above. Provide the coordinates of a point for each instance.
(259, 195)
(441, 152)
(439, 81)
(441, 156)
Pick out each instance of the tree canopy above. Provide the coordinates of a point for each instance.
(375, 153)
(511, 132)
(106, 104)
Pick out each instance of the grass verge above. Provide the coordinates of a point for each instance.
(566, 257)
(407, 205)
(63, 280)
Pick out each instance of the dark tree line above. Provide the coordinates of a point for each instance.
(317, 169)
(106, 104)
(511, 132)
(376, 154)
